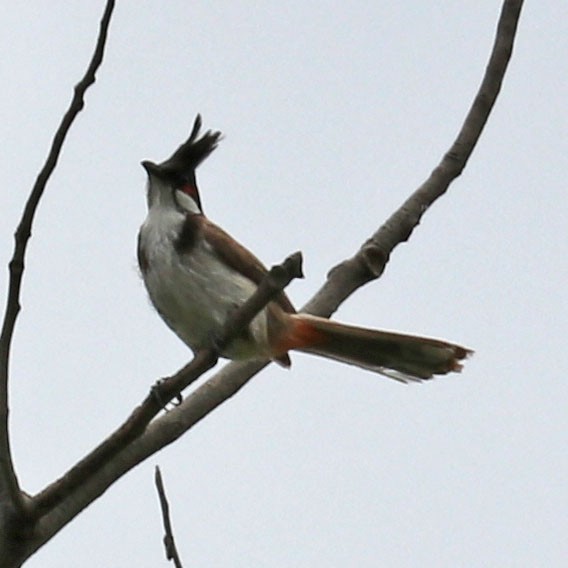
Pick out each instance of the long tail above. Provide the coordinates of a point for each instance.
(398, 356)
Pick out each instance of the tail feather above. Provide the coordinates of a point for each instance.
(398, 356)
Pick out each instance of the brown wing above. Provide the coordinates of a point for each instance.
(239, 258)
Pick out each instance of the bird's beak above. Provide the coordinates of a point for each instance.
(152, 169)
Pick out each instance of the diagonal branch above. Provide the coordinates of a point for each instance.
(8, 478)
(164, 391)
(371, 259)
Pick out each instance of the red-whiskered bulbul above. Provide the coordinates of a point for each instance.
(196, 275)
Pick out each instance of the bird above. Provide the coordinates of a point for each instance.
(196, 275)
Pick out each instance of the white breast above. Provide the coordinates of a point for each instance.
(194, 292)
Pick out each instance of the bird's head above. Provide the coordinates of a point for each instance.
(172, 183)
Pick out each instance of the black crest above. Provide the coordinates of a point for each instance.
(191, 153)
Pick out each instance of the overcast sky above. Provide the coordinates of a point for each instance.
(333, 112)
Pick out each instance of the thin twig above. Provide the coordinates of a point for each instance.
(169, 542)
(23, 233)
(164, 391)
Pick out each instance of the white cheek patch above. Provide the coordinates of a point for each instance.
(186, 202)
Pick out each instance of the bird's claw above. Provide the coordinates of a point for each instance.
(156, 394)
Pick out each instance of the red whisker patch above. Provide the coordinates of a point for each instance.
(189, 189)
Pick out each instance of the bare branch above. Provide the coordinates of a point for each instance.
(272, 284)
(66, 498)
(169, 542)
(23, 233)
(371, 259)
(160, 432)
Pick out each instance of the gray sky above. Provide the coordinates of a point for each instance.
(333, 113)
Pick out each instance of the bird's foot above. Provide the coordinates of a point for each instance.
(156, 392)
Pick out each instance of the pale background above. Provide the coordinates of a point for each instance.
(333, 113)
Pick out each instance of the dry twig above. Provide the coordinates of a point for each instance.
(169, 542)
